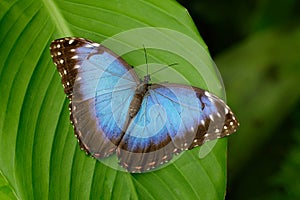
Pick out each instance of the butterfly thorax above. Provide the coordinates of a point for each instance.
(136, 102)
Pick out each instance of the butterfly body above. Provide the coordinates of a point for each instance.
(136, 102)
(145, 124)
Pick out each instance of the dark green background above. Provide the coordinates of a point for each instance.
(256, 45)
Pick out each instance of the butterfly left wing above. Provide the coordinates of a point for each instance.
(100, 86)
(173, 118)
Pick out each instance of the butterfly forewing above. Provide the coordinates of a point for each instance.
(217, 119)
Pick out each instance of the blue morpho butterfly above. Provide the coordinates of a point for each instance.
(145, 124)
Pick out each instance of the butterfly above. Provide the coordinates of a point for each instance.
(113, 111)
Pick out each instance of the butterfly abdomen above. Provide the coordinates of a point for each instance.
(136, 102)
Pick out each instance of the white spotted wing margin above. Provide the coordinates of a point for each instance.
(216, 124)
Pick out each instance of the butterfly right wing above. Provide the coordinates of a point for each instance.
(173, 118)
(100, 86)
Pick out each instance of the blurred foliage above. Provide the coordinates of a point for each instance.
(256, 46)
(225, 23)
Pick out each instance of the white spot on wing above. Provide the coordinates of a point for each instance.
(152, 163)
(96, 44)
(202, 122)
(88, 45)
(71, 41)
(207, 94)
(226, 110)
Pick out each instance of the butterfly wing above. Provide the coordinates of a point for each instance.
(173, 118)
(100, 86)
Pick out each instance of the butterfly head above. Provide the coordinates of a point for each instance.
(147, 79)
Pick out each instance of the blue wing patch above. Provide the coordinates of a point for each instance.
(172, 118)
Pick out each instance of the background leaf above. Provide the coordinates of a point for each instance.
(39, 156)
(268, 105)
(271, 68)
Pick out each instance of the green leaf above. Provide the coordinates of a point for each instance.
(39, 156)
(6, 191)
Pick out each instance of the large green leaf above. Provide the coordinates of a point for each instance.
(39, 156)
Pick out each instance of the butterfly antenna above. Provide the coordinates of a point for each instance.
(147, 77)
(170, 65)
(146, 58)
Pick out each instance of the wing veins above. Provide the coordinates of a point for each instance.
(156, 100)
(181, 104)
(170, 122)
(111, 73)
